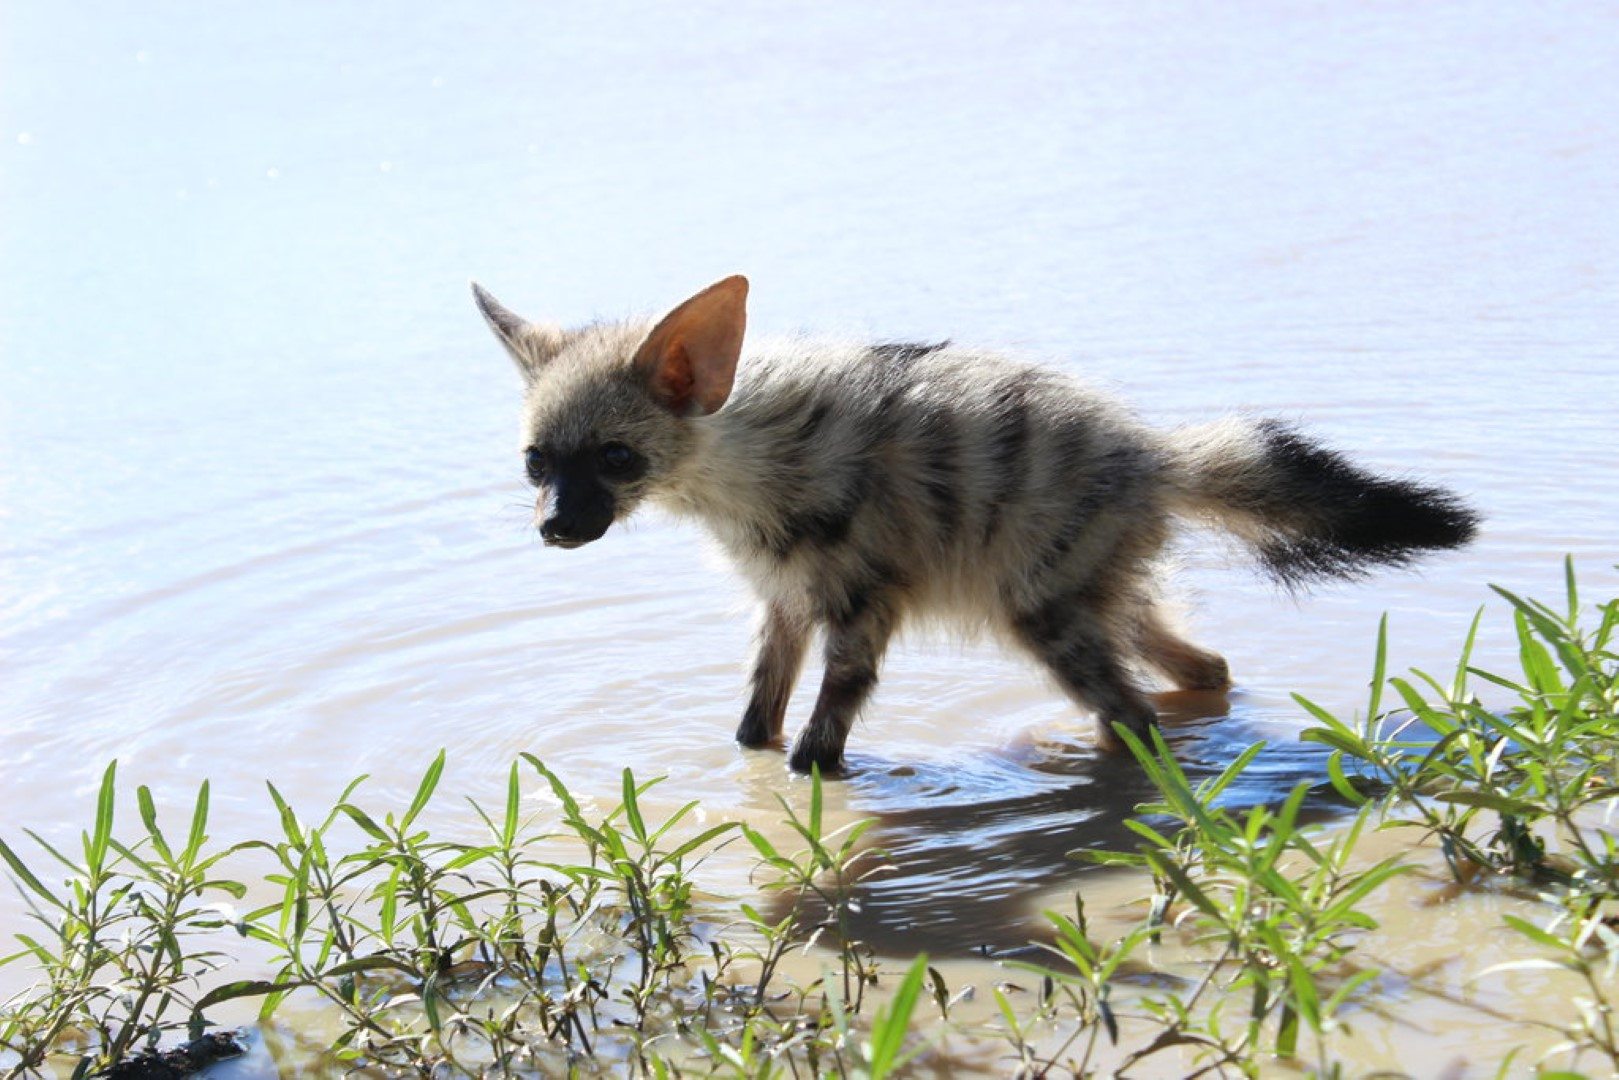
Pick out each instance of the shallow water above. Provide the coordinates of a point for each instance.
(262, 514)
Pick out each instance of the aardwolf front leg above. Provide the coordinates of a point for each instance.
(778, 655)
(854, 649)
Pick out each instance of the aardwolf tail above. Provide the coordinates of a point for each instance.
(1307, 512)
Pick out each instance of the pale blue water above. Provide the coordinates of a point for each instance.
(261, 510)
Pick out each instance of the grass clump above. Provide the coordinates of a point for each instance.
(1270, 905)
(1525, 793)
(487, 957)
(577, 942)
(122, 945)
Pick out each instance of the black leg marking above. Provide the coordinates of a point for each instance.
(778, 656)
(821, 742)
(1087, 666)
(854, 650)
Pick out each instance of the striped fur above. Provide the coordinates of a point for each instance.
(861, 487)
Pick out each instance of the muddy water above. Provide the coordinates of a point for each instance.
(261, 510)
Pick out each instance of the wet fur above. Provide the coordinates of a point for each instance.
(860, 487)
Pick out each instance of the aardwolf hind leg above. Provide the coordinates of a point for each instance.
(778, 656)
(1088, 668)
(1184, 664)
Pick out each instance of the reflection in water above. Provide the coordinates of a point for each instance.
(970, 853)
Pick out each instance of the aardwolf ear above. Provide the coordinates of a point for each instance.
(689, 359)
(531, 345)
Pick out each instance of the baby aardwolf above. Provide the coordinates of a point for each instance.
(856, 486)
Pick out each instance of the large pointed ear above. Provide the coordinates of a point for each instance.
(689, 359)
(531, 345)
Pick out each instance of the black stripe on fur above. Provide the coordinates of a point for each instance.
(901, 354)
(1008, 446)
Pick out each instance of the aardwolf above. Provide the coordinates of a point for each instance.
(856, 486)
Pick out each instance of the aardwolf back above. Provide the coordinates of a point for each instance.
(857, 487)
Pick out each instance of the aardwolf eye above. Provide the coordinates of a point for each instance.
(618, 459)
(537, 464)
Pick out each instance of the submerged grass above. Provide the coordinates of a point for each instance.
(492, 956)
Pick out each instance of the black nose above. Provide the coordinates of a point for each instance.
(556, 533)
(574, 510)
(572, 530)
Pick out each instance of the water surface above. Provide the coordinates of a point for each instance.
(262, 513)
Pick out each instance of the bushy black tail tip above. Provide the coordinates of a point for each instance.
(1389, 523)
(1342, 521)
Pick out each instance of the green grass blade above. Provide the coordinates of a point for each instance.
(889, 1028)
(95, 849)
(239, 989)
(1573, 589)
(1379, 668)
(514, 796)
(27, 877)
(148, 812)
(199, 826)
(632, 808)
(1212, 791)
(702, 839)
(424, 791)
(815, 804)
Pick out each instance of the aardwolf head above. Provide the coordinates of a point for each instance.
(607, 408)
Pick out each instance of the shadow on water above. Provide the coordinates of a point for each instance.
(975, 849)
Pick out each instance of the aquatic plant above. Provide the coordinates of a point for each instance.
(1527, 792)
(494, 955)
(123, 939)
(1274, 905)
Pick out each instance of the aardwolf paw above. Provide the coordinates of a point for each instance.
(753, 734)
(1138, 721)
(805, 756)
(1212, 673)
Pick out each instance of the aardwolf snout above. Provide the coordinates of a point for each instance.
(574, 530)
